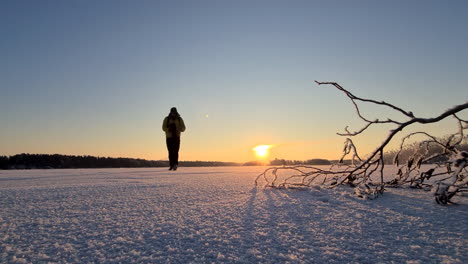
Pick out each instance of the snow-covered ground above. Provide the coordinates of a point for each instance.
(206, 215)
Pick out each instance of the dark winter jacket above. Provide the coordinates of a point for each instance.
(173, 126)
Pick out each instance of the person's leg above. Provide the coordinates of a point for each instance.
(176, 152)
(174, 147)
(169, 150)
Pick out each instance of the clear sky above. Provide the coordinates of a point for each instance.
(98, 77)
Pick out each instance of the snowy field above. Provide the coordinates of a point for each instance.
(216, 215)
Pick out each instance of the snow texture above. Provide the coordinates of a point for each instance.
(216, 215)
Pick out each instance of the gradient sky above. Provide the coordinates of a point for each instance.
(98, 77)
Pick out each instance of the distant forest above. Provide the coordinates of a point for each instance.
(58, 161)
(419, 148)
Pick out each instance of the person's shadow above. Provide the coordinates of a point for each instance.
(248, 239)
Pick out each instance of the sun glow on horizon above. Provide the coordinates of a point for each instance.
(262, 150)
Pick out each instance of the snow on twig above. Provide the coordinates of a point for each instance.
(359, 174)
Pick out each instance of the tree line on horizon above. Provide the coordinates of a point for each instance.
(59, 161)
(421, 149)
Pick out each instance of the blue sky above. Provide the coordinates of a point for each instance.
(98, 77)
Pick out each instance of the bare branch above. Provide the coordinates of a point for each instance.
(353, 97)
(360, 174)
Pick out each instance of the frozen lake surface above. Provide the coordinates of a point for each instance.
(216, 215)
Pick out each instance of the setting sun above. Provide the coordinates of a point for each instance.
(262, 150)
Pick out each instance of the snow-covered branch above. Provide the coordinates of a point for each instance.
(367, 176)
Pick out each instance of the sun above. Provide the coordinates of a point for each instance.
(262, 150)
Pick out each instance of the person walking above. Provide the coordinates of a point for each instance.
(173, 125)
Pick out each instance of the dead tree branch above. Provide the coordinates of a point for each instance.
(367, 176)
